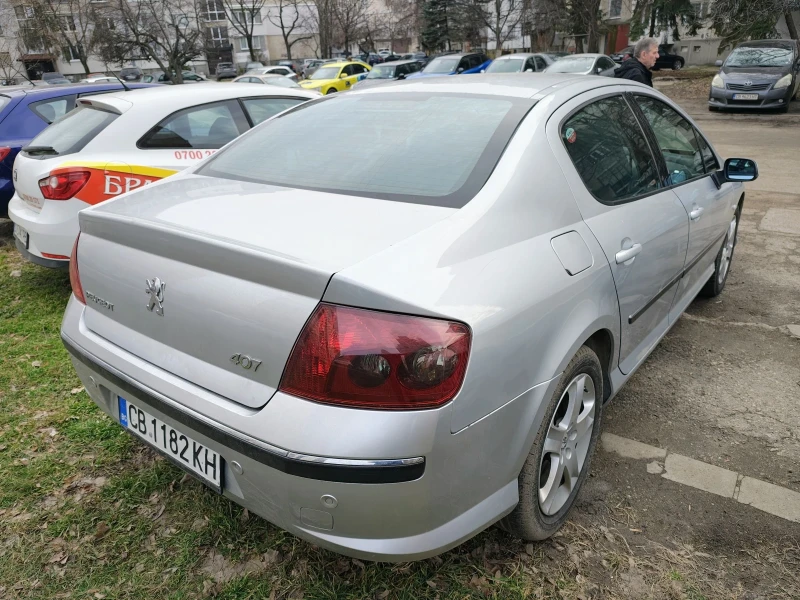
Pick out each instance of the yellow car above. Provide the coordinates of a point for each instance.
(336, 77)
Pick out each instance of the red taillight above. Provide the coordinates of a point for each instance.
(74, 275)
(63, 186)
(356, 357)
(4, 150)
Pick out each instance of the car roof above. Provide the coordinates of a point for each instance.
(44, 92)
(343, 63)
(514, 85)
(175, 97)
(403, 61)
(584, 55)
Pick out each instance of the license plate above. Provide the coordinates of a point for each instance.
(182, 450)
(745, 96)
(21, 235)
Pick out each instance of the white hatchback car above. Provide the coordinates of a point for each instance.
(114, 143)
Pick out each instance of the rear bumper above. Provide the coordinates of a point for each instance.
(405, 487)
(52, 231)
(767, 99)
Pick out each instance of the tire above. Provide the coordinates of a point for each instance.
(331, 91)
(713, 109)
(724, 260)
(677, 65)
(536, 518)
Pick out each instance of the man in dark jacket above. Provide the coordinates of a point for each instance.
(637, 67)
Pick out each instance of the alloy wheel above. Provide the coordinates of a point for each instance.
(567, 444)
(727, 252)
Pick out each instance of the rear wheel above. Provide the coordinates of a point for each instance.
(331, 91)
(558, 462)
(677, 65)
(722, 265)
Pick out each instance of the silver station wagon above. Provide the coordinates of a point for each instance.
(387, 319)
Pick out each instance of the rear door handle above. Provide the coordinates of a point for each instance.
(696, 212)
(624, 256)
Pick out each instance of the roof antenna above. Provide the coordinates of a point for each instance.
(127, 89)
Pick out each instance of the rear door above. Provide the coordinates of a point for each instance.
(689, 165)
(191, 134)
(641, 226)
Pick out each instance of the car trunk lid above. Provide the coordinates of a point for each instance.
(213, 280)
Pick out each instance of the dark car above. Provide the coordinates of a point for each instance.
(24, 112)
(388, 72)
(131, 74)
(622, 55)
(667, 60)
(288, 63)
(454, 64)
(757, 75)
(225, 70)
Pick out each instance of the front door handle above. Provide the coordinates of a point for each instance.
(696, 212)
(624, 256)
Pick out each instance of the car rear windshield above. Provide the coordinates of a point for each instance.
(70, 133)
(435, 149)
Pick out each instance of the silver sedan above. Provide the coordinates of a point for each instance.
(388, 319)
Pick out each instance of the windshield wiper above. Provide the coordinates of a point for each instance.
(40, 150)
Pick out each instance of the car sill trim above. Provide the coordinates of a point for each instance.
(674, 280)
(322, 468)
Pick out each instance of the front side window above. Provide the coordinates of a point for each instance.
(206, 126)
(261, 109)
(50, 110)
(448, 146)
(676, 140)
(71, 133)
(610, 152)
(325, 73)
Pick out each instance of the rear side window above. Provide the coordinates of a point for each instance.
(206, 126)
(676, 140)
(541, 65)
(72, 132)
(261, 109)
(448, 146)
(55, 108)
(610, 152)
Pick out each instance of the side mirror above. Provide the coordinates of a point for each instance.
(460, 70)
(401, 76)
(344, 76)
(737, 170)
(718, 63)
(598, 70)
(529, 70)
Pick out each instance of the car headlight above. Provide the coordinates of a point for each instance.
(783, 82)
(717, 82)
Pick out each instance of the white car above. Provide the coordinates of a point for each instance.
(114, 143)
(275, 70)
(100, 79)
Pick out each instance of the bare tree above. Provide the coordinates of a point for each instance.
(349, 16)
(169, 32)
(10, 68)
(244, 15)
(542, 20)
(321, 20)
(501, 17)
(67, 25)
(293, 18)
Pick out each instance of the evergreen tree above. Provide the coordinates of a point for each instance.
(653, 16)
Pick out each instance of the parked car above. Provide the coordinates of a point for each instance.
(584, 64)
(100, 79)
(288, 63)
(404, 391)
(225, 70)
(55, 79)
(161, 77)
(113, 143)
(757, 75)
(667, 60)
(388, 72)
(253, 65)
(454, 64)
(310, 66)
(520, 62)
(276, 69)
(622, 55)
(384, 52)
(272, 79)
(336, 77)
(556, 55)
(25, 112)
(131, 74)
